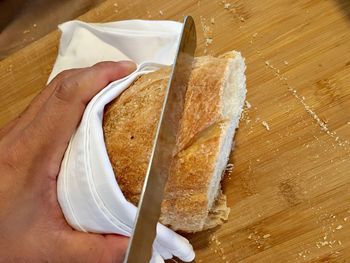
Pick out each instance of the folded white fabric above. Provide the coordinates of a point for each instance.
(88, 192)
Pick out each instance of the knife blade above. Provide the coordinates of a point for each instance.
(163, 150)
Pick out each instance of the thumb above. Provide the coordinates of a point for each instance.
(61, 113)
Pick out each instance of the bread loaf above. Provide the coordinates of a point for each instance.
(214, 100)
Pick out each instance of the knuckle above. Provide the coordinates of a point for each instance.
(95, 70)
(66, 89)
(101, 64)
(61, 76)
(100, 67)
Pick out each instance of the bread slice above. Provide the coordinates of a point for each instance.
(214, 100)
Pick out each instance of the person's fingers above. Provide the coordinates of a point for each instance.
(61, 113)
(34, 107)
(18, 125)
(98, 248)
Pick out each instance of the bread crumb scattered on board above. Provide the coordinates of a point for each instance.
(229, 167)
(247, 104)
(208, 41)
(10, 68)
(266, 236)
(212, 20)
(339, 227)
(207, 33)
(308, 109)
(285, 62)
(266, 125)
(227, 5)
(161, 12)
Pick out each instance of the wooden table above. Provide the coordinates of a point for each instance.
(289, 192)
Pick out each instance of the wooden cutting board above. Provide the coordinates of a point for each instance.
(289, 191)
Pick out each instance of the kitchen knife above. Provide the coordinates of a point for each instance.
(163, 150)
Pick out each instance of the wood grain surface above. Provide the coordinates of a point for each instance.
(289, 191)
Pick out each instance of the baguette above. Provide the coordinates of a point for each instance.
(215, 95)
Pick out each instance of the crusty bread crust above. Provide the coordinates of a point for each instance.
(129, 127)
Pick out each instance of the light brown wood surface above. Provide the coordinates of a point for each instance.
(289, 191)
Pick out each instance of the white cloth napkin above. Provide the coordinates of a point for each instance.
(88, 192)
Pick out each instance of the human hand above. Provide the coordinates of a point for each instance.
(32, 226)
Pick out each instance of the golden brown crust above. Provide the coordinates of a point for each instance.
(129, 127)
